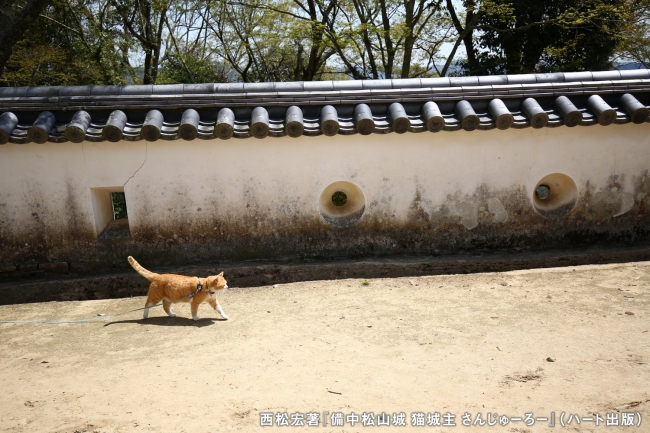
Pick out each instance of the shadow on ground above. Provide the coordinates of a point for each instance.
(169, 321)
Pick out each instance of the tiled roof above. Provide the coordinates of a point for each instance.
(240, 110)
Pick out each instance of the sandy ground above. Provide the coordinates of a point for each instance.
(447, 344)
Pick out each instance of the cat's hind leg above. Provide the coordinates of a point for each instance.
(152, 300)
(147, 305)
(167, 306)
(217, 307)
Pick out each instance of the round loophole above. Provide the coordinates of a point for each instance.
(555, 195)
(342, 204)
(543, 191)
(339, 198)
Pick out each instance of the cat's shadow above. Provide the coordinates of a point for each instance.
(170, 321)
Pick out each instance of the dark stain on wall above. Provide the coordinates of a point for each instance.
(481, 222)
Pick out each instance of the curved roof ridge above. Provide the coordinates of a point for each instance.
(320, 86)
(225, 110)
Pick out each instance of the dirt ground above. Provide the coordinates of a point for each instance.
(569, 342)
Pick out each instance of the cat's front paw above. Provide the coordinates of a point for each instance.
(224, 316)
(172, 314)
(196, 318)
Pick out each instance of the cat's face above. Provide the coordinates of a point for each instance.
(217, 282)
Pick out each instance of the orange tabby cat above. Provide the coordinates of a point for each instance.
(171, 288)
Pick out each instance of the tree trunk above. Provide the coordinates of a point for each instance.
(390, 50)
(465, 34)
(409, 40)
(147, 79)
(468, 40)
(313, 64)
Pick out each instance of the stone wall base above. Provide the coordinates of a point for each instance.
(263, 273)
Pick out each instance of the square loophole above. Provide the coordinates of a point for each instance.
(110, 212)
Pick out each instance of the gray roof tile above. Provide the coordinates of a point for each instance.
(578, 76)
(606, 75)
(463, 81)
(296, 86)
(347, 85)
(355, 93)
(229, 88)
(13, 92)
(635, 74)
(198, 89)
(471, 89)
(539, 86)
(377, 84)
(493, 80)
(260, 95)
(168, 89)
(75, 91)
(137, 90)
(522, 79)
(600, 84)
(567, 85)
(407, 83)
(259, 87)
(435, 82)
(49, 91)
(387, 93)
(506, 87)
(106, 91)
(554, 77)
(446, 90)
(318, 86)
(345, 95)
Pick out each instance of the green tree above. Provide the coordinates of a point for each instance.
(72, 42)
(635, 40)
(519, 36)
(145, 21)
(188, 66)
(269, 40)
(388, 38)
(16, 17)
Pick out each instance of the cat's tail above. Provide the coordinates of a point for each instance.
(140, 270)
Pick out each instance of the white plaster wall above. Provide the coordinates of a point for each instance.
(168, 181)
(49, 185)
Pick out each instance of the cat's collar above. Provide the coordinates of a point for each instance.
(199, 287)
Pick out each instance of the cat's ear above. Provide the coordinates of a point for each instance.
(221, 274)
